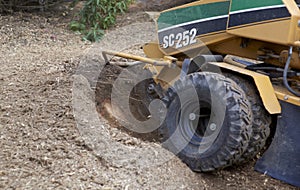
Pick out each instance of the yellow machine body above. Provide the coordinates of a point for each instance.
(272, 27)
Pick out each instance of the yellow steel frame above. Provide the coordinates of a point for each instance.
(284, 95)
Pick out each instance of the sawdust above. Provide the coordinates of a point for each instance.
(42, 142)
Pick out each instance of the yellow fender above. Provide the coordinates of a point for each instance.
(263, 84)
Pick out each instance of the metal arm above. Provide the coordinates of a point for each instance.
(167, 62)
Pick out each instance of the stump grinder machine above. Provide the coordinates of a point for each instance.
(236, 94)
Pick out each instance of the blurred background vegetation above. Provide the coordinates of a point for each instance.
(91, 21)
(97, 16)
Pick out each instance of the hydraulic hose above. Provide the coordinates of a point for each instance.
(285, 73)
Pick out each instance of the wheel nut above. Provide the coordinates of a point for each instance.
(151, 89)
(213, 127)
(192, 116)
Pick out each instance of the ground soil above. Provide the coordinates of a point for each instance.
(47, 87)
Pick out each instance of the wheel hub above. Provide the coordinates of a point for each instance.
(195, 122)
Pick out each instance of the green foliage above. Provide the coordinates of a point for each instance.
(98, 15)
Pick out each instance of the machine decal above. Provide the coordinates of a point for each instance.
(181, 39)
(246, 12)
(178, 28)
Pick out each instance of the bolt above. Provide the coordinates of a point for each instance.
(192, 116)
(213, 127)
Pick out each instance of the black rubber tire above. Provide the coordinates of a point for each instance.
(261, 118)
(222, 96)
